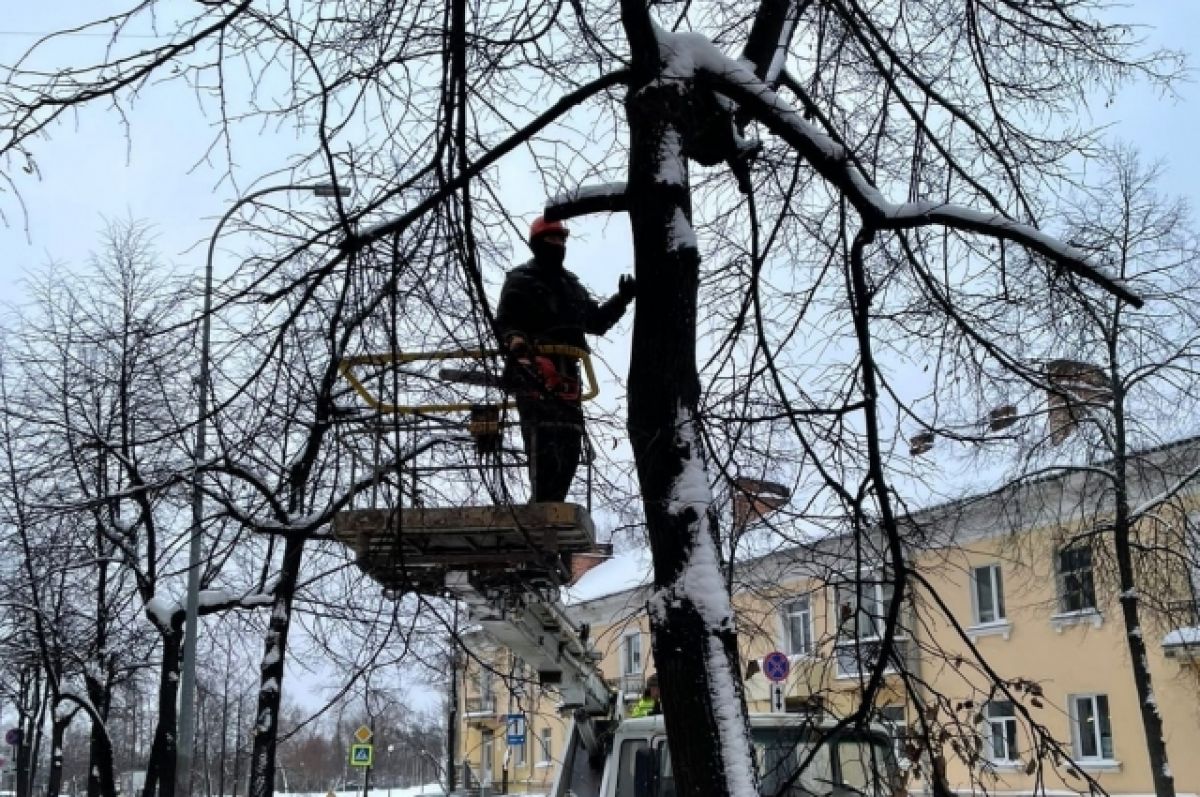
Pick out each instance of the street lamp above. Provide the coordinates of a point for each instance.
(187, 683)
(391, 772)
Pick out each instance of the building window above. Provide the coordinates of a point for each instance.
(519, 755)
(1091, 728)
(631, 654)
(544, 738)
(862, 611)
(1076, 586)
(892, 718)
(988, 591)
(1000, 731)
(863, 607)
(797, 626)
(518, 677)
(486, 759)
(487, 689)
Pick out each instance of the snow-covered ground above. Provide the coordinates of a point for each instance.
(428, 790)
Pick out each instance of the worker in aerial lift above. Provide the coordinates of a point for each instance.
(542, 303)
(648, 704)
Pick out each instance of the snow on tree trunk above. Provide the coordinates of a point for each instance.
(58, 730)
(160, 769)
(101, 773)
(1152, 721)
(695, 647)
(266, 718)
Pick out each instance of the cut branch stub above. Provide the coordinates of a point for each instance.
(604, 198)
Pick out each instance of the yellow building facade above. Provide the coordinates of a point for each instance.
(1010, 665)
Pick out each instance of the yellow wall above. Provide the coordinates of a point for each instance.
(1061, 659)
(514, 691)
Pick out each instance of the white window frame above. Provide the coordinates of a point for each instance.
(487, 689)
(791, 609)
(631, 641)
(881, 595)
(897, 728)
(487, 758)
(1001, 723)
(545, 742)
(520, 754)
(1078, 731)
(995, 581)
(518, 677)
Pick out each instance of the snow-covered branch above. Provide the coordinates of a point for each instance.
(601, 198)
(694, 56)
(168, 614)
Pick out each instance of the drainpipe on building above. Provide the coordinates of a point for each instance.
(452, 719)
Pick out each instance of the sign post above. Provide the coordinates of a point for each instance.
(778, 706)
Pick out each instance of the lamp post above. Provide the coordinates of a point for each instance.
(187, 683)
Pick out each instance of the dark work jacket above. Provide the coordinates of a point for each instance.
(552, 307)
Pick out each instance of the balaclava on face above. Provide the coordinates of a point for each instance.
(547, 255)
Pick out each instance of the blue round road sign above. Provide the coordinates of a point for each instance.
(13, 737)
(776, 666)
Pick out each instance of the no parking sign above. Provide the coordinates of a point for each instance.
(776, 666)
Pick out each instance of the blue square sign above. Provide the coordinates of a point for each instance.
(516, 728)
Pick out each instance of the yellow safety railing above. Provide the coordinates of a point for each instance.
(346, 368)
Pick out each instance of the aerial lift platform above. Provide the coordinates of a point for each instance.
(505, 563)
(399, 547)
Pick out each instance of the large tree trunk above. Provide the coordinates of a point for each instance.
(58, 730)
(266, 719)
(101, 779)
(691, 621)
(1139, 664)
(32, 695)
(160, 769)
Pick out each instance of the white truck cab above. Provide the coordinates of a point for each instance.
(637, 762)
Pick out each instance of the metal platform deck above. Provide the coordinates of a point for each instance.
(413, 549)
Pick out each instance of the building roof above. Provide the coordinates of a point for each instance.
(1051, 496)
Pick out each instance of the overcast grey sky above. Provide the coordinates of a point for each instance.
(94, 168)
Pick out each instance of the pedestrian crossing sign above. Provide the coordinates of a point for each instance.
(362, 755)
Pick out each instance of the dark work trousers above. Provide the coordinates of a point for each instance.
(553, 432)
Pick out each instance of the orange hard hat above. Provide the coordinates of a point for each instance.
(542, 227)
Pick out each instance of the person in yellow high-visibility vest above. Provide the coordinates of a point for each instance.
(648, 704)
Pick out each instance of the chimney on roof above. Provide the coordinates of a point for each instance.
(1074, 390)
(754, 499)
(583, 562)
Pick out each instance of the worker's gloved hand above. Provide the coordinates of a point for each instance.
(626, 288)
(548, 375)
